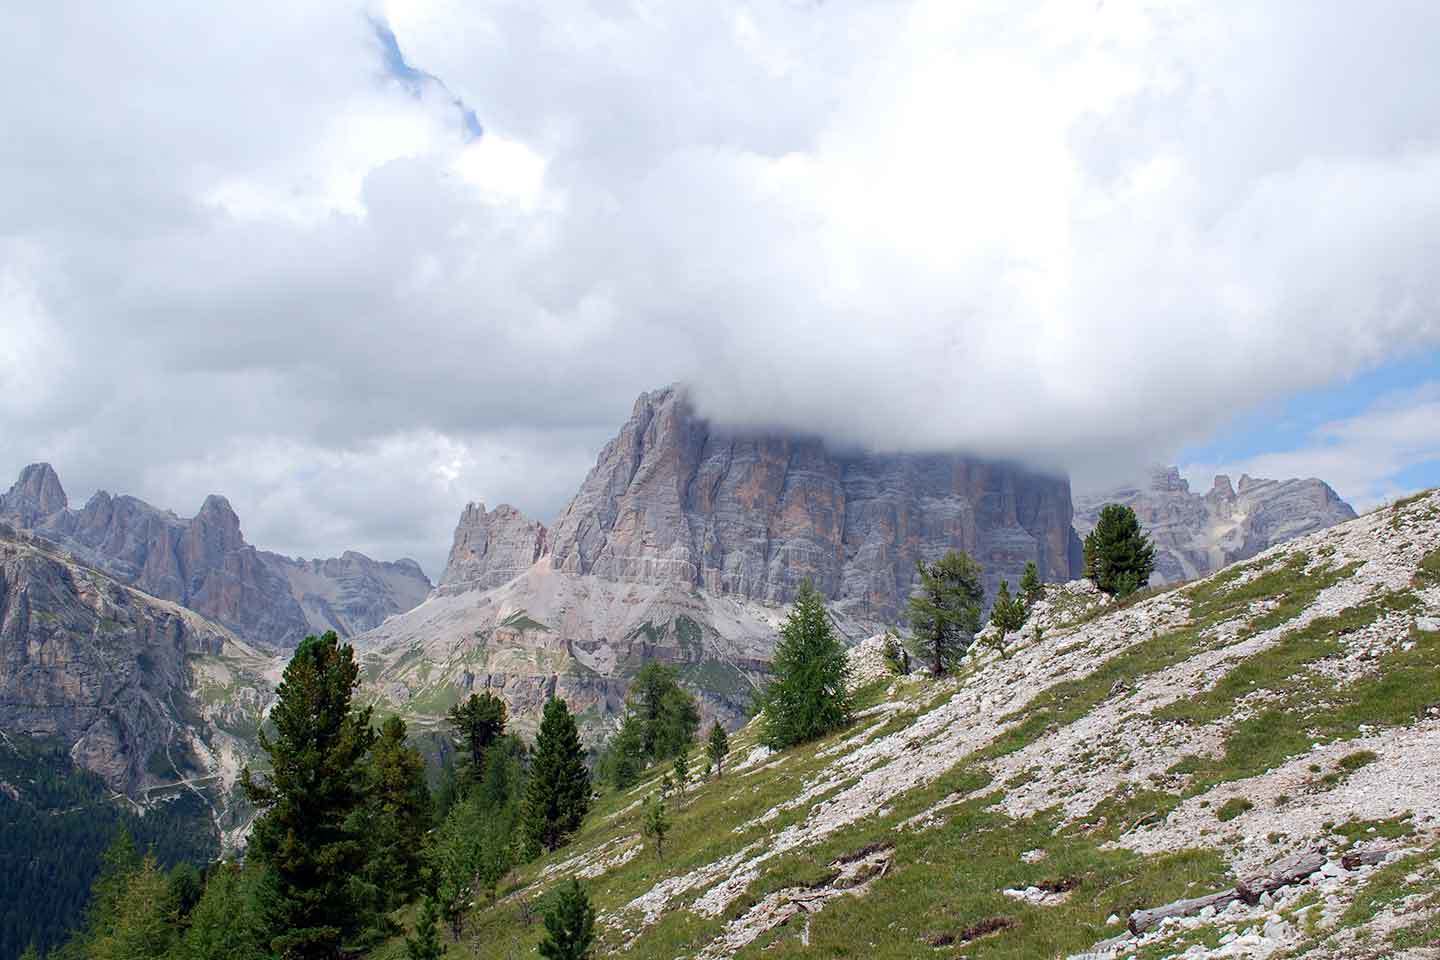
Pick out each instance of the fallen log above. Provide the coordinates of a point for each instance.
(1291, 870)
(1143, 920)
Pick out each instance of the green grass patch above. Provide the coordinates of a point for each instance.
(1428, 573)
(1232, 808)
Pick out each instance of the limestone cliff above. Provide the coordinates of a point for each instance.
(205, 563)
(1197, 534)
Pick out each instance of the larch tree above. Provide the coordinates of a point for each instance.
(945, 610)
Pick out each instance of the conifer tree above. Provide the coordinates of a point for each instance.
(142, 927)
(945, 611)
(1031, 589)
(654, 823)
(569, 924)
(306, 837)
(396, 816)
(226, 922)
(31, 953)
(424, 944)
(681, 770)
(718, 747)
(807, 697)
(623, 758)
(478, 722)
(1119, 557)
(557, 795)
(1008, 614)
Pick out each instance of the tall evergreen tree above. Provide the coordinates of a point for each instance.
(144, 924)
(306, 836)
(396, 816)
(569, 924)
(945, 611)
(680, 770)
(557, 794)
(623, 759)
(1119, 557)
(807, 697)
(668, 716)
(1031, 589)
(478, 722)
(718, 747)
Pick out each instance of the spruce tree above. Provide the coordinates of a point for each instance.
(424, 944)
(569, 924)
(478, 722)
(1031, 589)
(557, 796)
(1119, 557)
(306, 836)
(654, 823)
(1007, 614)
(396, 817)
(226, 922)
(718, 747)
(945, 611)
(807, 697)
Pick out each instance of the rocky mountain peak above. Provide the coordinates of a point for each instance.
(675, 499)
(1196, 535)
(492, 547)
(37, 493)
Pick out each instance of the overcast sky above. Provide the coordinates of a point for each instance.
(355, 265)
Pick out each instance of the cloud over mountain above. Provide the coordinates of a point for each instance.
(238, 251)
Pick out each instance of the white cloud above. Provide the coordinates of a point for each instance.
(1085, 234)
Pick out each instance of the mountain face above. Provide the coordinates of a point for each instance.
(205, 564)
(112, 673)
(684, 544)
(1197, 534)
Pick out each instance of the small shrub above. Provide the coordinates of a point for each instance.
(1232, 808)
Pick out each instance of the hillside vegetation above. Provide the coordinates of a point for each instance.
(1118, 757)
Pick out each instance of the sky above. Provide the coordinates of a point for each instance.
(355, 264)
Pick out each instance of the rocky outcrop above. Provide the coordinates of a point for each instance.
(95, 664)
(675, 499)
(492, 548)
(205, 564)
(1197, 534)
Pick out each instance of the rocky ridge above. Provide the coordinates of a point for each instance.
(1196, 534)
(205, 564)
(144, 692)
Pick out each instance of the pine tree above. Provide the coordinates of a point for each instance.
(569, 924)
(623, 759)
(1119, 557)
(1031, 589)
(718, 747)
(143, 927)
(808, 696)
(226, 922)
(557, 795)
(425, 943)
(681, 769)
(306, 837)
(668, 717)
(396, 817)
(654, 823)
(945, 611)
(1008, 614)
(478, 722)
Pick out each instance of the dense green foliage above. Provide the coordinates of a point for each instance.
(569, 924)
(54, 829)
(1119, 557)
(424, 944)
(478, 722)
(394, 819)
(557, 795)
(1031, 589)
(807, 696)
(945, 611)
(660, 722)
(717, 747)
(1007, 614)
(308, 837)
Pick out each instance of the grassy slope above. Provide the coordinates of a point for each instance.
(946, 880)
